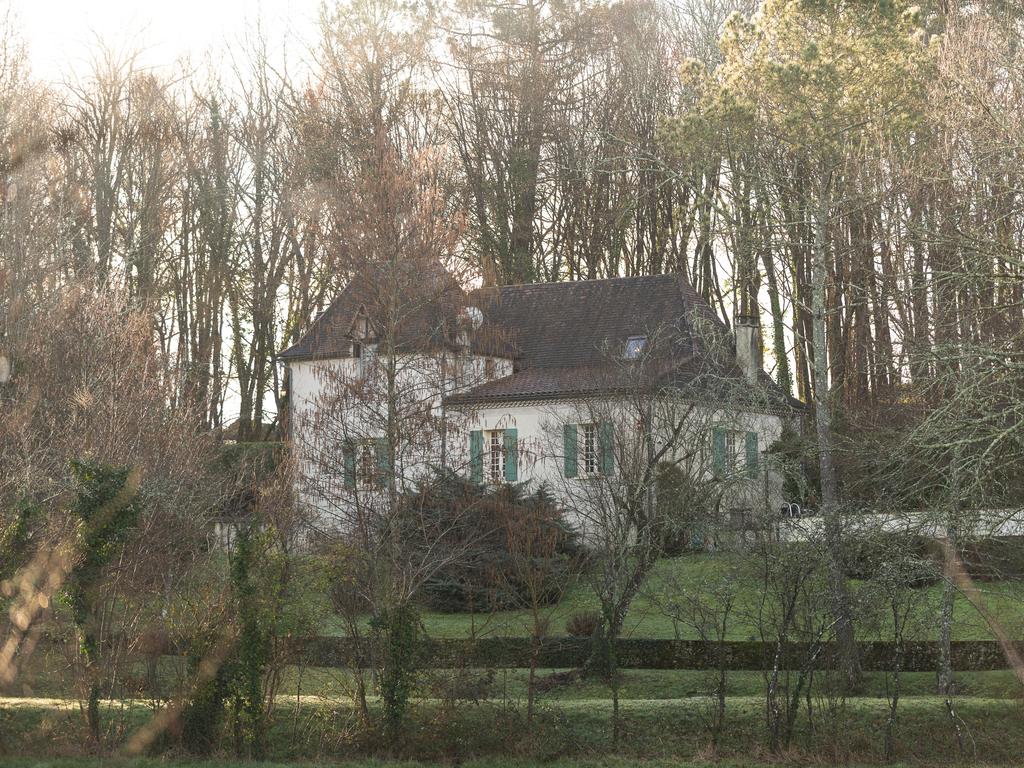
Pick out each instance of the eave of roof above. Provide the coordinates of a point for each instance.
(562, 336)
(547, 385)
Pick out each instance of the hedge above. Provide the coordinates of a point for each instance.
(567, 653)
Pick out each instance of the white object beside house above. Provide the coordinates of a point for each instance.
(509, 379)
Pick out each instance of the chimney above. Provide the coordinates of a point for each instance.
(748, 346)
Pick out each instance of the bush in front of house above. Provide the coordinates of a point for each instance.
(583, 624)
(994, 558)
(502, 544)
(687, 510)
(864, 555)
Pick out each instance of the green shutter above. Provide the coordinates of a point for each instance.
(606, 436)
(348, 459)
(512, 455)
(384, 469)
(570, 445)
(753, 455)
(476, 456)
(718, 450)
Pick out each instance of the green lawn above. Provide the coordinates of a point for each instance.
(45, 678)
(1004, 599)
(657, 684)
(664, 711)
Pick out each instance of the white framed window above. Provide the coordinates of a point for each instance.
(366, 463)
(734, 451)
(496, 455)
(735, 448)
(590, 449)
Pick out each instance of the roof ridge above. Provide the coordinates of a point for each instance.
(579, 282)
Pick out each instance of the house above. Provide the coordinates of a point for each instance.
(549, 383)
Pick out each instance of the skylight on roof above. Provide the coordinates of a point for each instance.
(635, 347)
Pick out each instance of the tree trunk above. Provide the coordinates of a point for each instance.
(823, 419)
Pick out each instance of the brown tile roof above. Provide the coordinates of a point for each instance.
(570, 338)
(429, 303)
(564, 338)
(578, 323)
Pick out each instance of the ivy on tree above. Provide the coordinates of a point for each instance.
(105, 513)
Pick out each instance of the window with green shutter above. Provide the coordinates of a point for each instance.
(511, 455)
(753, 455)
(476, 456)
(718, 458)
(348, 460)
(589, 449)
(383, 459)
(607, 439)
(494, 456)
(734, 451)
(569, 437)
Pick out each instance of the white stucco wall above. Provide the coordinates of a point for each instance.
(538, 424)
(541, 455)
(336, 400)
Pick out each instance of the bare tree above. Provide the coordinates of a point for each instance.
(708, 607)
(649, 411)
(369, 422)
(90, 391)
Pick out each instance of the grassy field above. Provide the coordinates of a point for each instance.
(657, 685)
(1004, 599)
(664, 712)
(491, 733)
(48, 675)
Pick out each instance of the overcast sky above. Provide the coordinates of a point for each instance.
(62, 34)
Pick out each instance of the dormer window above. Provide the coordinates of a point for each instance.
(635, 346)
(361, 327)
(360, 334)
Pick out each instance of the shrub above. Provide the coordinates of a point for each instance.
(398, 628)
(686, 510)
(583, 624)
(106, 513)
(864, 555)
(347, 568)
(995, 558)
(484, 531)
(202, 717)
